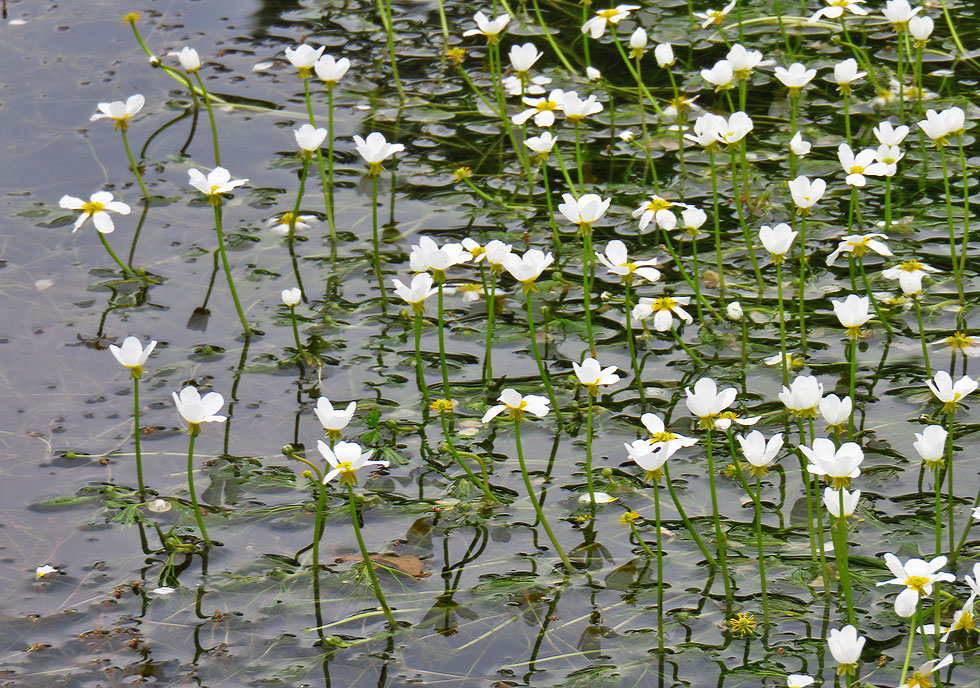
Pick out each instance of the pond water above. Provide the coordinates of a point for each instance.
(480, 596)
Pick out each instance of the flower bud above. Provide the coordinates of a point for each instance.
(734, 310)
(664, 54)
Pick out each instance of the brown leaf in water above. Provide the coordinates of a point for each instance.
(406, 563)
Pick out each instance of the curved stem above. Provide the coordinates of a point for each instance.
(419, 373)
(136, 436)
(537, 357)
(719, 536)
(442, 347)
(214, 129)
(105, 243)
(134, 166)
(782, 321)
(588, 451)
(227, 268)
(452, 450)
(536, 504)
(190, 487)
(318, 524)
(687, 522)
(368, 564)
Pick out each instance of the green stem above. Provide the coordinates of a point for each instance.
(551, 41)
(714, 203)
(318, 523)
(636, 77)
(227, 268)
(847, 116)
(660, 569)
(420, 375)
(299, 196)
(292, 319)
(949, 488)
(489, 291)
(588, 451)
(537, 357)
(757, 504)
(578, 158)
(452, 450)
(949, 221)
(696, 269)
(134, 166)
(368, 564)
(741, 221)
(631, 341)
(214, 129)
(328, 192)
(719, 537)
(684, 275)
(687, 522)
(922, 335)
(105, 243)
(442, 347)
(190, 486)
(384, 11)
(782, 320)
(908, 647)
(376, 237)
(966, 204)
(588, 259)
(801, 295)
(136, 436)
(871, 296)
(536, 504)
(851, 387)
(843, 560)
(694, 357)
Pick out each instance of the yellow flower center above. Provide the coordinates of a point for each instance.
(607, 14)
(742, 624)
(966, 622)
(546, 105)
(347, 473)
(960, 341)
(442, 406)
(856, 169)
(910, 266)
(456, 55)
(663, 436)
(917, 583)
(658, 204)
(628, 518)
(663, 304)
(92, 207)
(214, 189)
(917, 680)
(461, 173)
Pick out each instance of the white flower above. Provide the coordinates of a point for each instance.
(796, 77)
(217, 181)
(585, 210)
(576, 109)
(542, 145)
(120, 112)
(706, 129)
(542, 109)
(802, 396)
(656, 209)
(736, 128)
(617, 262)
(777, 240)
(663, 310)
(725, 419)
(743, 61)
(831, 500)
(846, 72)
(930, 444)
(917, 575)
(291, 297)
(330, 70)
(517, 405)
(496, 253)
(838, 464)
(132, 354)
(692, 219)
(42, 571)
(664, 54)
(303, 57)
(889, 157)
(947, 391)
(345, 459)
(920, 676)
(196, 409)
(309, 138)
(663, 441)
(909, 275)
(592, 73)
(488, 27)
(375, 150)
(799, 146)
(429, 256)
(857, 166)
(97, 208)
(417, 292)
(280, 225)
(188, 58)
(706, 402)
(836, 8)
(714, 16)
(921, 26)
(648, 456)
(523, 57)
(596, 26)
(638, 42)
(734, 310)
(721, 75)
(532, 87)
(938, 125)
(858, 244)
(889, 135)
(591, 374)
(899, 13)
(852, 312)
(846, 645)
(758, 452)
(836, 411)
(527, 268)
(333, 420)
(806, 193)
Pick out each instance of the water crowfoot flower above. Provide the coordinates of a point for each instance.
(857, 166)
(715, 17)
(189, 60)
(309, 138)
(839, 465)
(420, 289)
(304, 57)
(97, 207)
(618, 263)
(832, 500)
(196, 409)
(528, 267)
(759, 452)
(846, 73)
(796, 77)
(799, 681)
(918, 576)
(921, 677)
(542, 109)
(948, 392)
(803, 396)
(799, 147)
(218, 181)
(523, 57)
(806, 193)
(836, 8)
(836, 411)
(120, 112)
(429, 256)
(662, 309)
(845, 645)
(852, 312)
(930, 444)
(909, 275)
(591, 374)
(333, 420)
(490, 28)
(516, 406)
(345, 459)
(705, 401)
(331, 70)
(132, 354)
(858, 244)
(921, 26)
(584, 211)
(596, 26)
(576, 109)
(375, 150)
(777, 240)
(669, 442)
